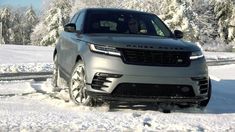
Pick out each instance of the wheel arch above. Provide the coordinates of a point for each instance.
(54, 54)
(78, 58)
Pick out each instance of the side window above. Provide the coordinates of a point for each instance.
(157, 29)
(79, 21)
(143, 28)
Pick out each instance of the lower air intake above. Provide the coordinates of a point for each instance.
(153, 90)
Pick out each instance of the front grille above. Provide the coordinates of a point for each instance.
(156, 58)
(153, 90)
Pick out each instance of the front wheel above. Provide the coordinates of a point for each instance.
(77, 86)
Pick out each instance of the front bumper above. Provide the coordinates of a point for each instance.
(99, 63)
(176, 100)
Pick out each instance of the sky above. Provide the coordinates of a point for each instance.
(22, 3)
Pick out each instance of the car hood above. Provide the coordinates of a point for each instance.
(140, 42)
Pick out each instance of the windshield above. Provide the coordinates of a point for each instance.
(125, 23)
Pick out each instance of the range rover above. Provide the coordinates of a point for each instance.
(126, 55)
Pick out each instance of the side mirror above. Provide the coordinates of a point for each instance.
(70, 27)
(178, 34)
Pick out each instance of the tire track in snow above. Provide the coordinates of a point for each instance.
(37, 76)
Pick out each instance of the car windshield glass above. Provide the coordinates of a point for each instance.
(125, 23)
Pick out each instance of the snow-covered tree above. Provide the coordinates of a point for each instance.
(203, 21)
(5, 19)
(1, 38)
(17, 24)
(225, 14)
(143, 5)
(173, 12)
(30, 21)
(17, 28)
(80, 4)
(51, 24)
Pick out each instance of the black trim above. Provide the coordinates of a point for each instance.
(109, 97)
(155, 57)
(152, 90)
(100, 78)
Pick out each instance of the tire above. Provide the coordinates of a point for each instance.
(204, 103)
(77, 86)
(55, 76)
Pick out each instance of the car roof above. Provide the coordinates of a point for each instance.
(114, 10)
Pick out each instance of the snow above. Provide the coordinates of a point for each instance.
(29, 110)
(223, 79)
(26, 67)
(216, 56)
(14, 54)
(32, 106)
(18, 58)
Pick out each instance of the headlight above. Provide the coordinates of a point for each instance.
(196, 55)
(104, 49)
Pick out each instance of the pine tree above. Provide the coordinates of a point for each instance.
(29, 22)
(142, 5)
(80, 4)
(17, 28)
(49, 28)
(224, 11)
(5, 19)
(1, 38)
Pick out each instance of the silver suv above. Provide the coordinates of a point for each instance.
(126, 55)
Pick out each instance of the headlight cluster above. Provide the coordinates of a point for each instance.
(104, 49)
(109, 50)
(196, 55)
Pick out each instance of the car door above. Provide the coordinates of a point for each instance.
(69, 44)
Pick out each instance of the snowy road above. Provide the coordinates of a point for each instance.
(32, 106)
(38, 76)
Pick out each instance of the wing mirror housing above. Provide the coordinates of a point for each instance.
(70, 27)
(178, 34)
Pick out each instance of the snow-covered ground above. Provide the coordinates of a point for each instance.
(32, 106)
(219, 56)
(18, 58)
